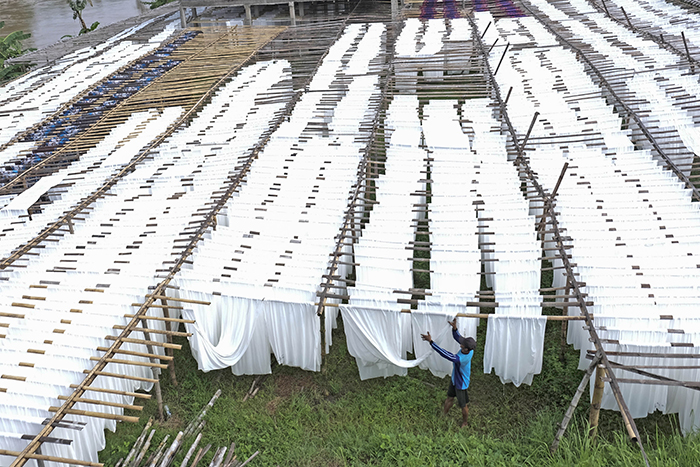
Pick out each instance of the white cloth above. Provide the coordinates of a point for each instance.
(514, 347)
(377, 338)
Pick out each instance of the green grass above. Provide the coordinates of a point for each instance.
(334, 419)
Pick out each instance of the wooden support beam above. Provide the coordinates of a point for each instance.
(153, 305)
(60, 460)
(161, 318)
(136, 354)
(99, 402)
(144, 342)
(120, 376)
(107, 416)
(183, 300)
(130, 362)
(137, 395)
(154, 331)
(649, 355)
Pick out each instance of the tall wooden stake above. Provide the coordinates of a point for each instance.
(169, 351)
(627, 18)
(564, 329)
(687, 52)
(595, 403)
(529, 130)
(156, 373)
(502, 57)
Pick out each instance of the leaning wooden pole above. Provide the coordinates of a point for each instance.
(572, 406)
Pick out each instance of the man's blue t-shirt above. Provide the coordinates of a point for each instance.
(461, 363)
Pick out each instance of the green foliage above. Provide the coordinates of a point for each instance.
(299, 418)
(78, 6)
(10, 47)
(156, 3)
(92, 27)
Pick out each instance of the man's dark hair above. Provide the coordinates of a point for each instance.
(468, 343)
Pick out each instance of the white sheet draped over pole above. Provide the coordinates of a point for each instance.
(262, 265)
(81, 286)
(631, 222)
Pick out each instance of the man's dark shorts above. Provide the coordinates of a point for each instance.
(461, 394)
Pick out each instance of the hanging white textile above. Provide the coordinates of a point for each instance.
(377, 338)
(433, 318)
(514, 347)
(242, 332)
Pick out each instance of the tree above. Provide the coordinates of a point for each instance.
(11, 46)
(78, 6)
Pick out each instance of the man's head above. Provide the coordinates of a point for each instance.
(467, 343)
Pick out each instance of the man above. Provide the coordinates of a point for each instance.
(461, 372)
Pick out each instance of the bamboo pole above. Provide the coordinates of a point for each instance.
(105, 403)
(201, 453)
(191, 450)
(62, 460)
(159, 452)
(595, 403)
(194, 423)
(144, 450)
(170, 453)
(218, 457)
(169, 352)
(572, 406)
(250, 459)
(227, 461)
(138, 442)
(87, 413)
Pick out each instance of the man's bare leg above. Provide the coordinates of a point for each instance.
(449, 402)
(465, 415)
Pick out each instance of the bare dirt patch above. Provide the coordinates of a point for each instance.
(288, 385)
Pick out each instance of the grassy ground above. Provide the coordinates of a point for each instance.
(333, 418)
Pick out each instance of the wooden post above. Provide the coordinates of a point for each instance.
(508, 95)
(529, 130)
(572, 406)
(501, 60)
(627, 18)
(595, 403)
(183, 17)
(486, 29)
(606, 8)
(322, 317)
(169, 351)
(156, 372)
(564, 329)
(292, 15)
(301, 9)
(39, 462)
(248, 15)
(687, 52)
(493, 45)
